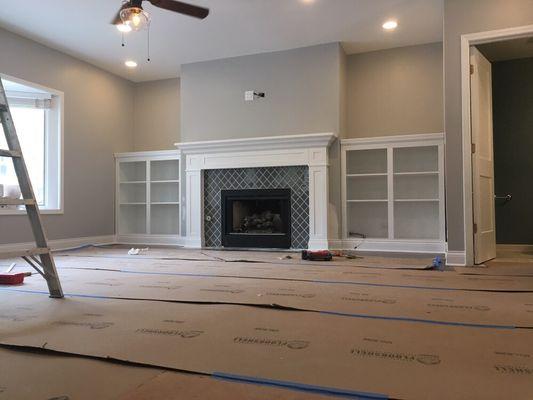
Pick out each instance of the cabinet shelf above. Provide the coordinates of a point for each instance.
(166, 181)
(363, 175)
(393, 191)
(416, 200)
(417, 173)
(368, 201)
(148, 197)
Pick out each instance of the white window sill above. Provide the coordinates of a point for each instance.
(43, 211)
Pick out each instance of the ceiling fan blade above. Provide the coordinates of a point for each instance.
(182, 8)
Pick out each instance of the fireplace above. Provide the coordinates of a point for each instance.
(257, 218)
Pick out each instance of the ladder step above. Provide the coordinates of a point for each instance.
(3, 107)
(24, 253)
(10, 153)
(17, 202)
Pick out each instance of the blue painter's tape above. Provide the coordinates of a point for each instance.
(90, 296)
(323, 390)
(425, 321)
(128, 271)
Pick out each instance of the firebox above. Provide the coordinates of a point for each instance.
(259, 218)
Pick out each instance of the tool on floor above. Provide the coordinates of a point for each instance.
(437, 263)
(317, 255)
(13, 279)
(45, 264)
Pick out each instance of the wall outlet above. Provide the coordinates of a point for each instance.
(249, 95)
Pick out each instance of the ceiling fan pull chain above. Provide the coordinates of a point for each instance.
(148, 47)
(123, 42)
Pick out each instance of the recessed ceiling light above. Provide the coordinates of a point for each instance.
(124, 28)
(390, 25)
(130, 64)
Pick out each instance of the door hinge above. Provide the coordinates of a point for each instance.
(473, 148)
(471, 69)
(475, 228)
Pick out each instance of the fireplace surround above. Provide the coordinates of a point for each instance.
(307, 150)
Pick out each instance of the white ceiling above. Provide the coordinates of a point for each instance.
(235, 27)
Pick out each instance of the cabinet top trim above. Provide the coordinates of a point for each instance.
(158, 153)
(396, 139)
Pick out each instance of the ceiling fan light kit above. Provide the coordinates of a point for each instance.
(132, 17)
(135, 17)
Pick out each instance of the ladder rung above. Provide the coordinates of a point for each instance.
(17, 202)
(24, 253)
(10, 153)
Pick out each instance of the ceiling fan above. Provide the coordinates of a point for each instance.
(132, 16)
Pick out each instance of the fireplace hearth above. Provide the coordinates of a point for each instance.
(256, 218)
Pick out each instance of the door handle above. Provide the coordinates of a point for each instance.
(507, 198)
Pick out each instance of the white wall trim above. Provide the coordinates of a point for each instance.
(154, 240)
(273, 151)
(61, 244)
(387, 245)
(467, 41)
(396, 139)
(145, 154)
(456, 258)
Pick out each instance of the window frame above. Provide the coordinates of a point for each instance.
(54, 152)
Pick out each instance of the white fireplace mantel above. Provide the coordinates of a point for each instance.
(272, 151)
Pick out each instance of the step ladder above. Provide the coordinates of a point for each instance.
(40, 258)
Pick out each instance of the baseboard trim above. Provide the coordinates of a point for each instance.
(154, 240)
(61, 244)
(456, 258)
(390, 246)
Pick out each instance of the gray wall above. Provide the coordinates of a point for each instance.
(462, 17)
(156, 115)
(302, 89)
(396, 91)
(97, 124)
(512, 83)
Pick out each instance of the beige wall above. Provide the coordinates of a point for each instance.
(302, 94)
(461, 17)
(156, 115)
(396, 91)
(98, 107)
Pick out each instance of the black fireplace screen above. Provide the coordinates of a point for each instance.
(256, 218)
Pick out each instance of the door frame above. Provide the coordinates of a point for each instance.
(467, 41)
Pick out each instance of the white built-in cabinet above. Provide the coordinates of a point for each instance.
(148, 197)
(393, 193)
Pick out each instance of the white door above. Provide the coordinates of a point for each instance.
(482, 157)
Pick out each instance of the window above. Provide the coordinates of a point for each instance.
(36, 114)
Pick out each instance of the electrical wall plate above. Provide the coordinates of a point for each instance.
(249, 95)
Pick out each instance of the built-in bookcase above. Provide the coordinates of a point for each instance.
(148, 197)
(393, 191)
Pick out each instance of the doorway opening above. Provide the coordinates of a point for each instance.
(501, 127)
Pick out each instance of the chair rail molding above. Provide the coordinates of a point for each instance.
(272, 151)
